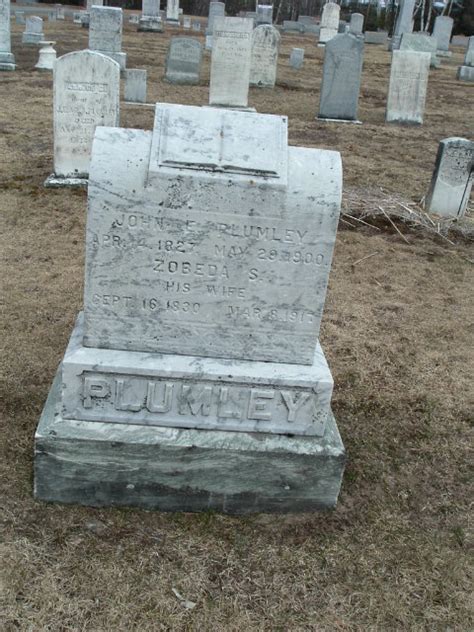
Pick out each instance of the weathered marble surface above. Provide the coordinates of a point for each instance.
(340, 87)
(452, 179)
(216, 10)
(230, 62)
(33, 33)
(408, 85)
(105, 33)
(172, 11)
(47, 57)
(421, 42)
(265, 46)
(297, 58)
(150, 19)
(86, 94)
(7, 60)
(183, 61)
(168, 469)
(356, 25)
(442, 30)
(233, 262)
(135, 85)
(329, 22)
(404, 22)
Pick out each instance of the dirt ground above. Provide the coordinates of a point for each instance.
(398, 334)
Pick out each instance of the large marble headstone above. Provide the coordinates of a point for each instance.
(408, 85)
(421, 42)
(7, 60)
(265, 45)
(343, 57)
(452, 180)
(442, 30)
(172, 12)
(230, 62)
(183, 61)
(466, 71)
(150, 19)
(105, 33)
(216, 10)
(86, 94)
(329, 22)
(33, 33)
(404, 22)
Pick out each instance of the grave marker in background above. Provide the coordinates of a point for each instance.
(172, 12)
(150, 19)
(265, 45)
(296, 58)
(404, 22)
(7, 60)
(408, 85)
(33, 33)
(329, 22)
(466, 71)
(356, 25)
(442, 30)
(421, 42)
(105, 33)
(135, 85)
(216, 10)
(47, 57)
(264, 14)
(183, 61)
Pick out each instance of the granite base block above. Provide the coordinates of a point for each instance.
(7, 61)
(168, 469)
(57, 182)
(333, 120)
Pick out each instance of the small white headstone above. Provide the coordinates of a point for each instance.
(408, 85)
(33, 33)
(443, 27)
(296, 58)
(329, 22)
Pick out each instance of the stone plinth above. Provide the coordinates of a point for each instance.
(47, 57)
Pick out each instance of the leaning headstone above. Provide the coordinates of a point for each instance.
(342, 70)
(183, 61)
(216, 10)
(265, 45)
(195, 379)
(442, 30)
(33, 33)
(86, 94)
(404, 22)
(105, 33)
(47, 57)
(296, 58)
(329, 22)
(376, 37)
(135, 85)
(421, 42)
(466, 71)
(7, 60)
(150, 19)
(172, 12)
(264, 14)
(230, 62)
(356, 25)
(452, 179)
(408, 85)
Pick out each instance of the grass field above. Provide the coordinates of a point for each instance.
(398, 334)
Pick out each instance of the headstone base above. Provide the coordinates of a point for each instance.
(150, 25)
(168, 469)
(239, 108)
(333, 120)
(7, 61)
(466, 73)
(32, 39)
(443, 53)
(56, 182)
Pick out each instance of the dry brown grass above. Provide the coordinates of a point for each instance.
(398, 334)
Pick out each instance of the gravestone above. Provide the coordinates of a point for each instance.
(342, 70)
(187, 23)
(216, 10)
(230, 62)
(264, 14)
(375, 37)
(404, 22)
(183, 61)
(20, 17)
(265, 45)
(134, 19)
(466, 71)
(356, 25)
(52, 17)
(296, 58)
(135, 85)
(77, 17)
(329, 22)
(86, 94)
(172, 12)
(150, 19)
(342, 27)
(452, 179)
(208, 250)
(442, 30)
(208, 42)
(60, 12)
(196, 26)
(96, 3)
(33, 33)
(307, 20)
(408, 84)
(47, 57)
(105, 33)
(290, 26)
(7, 60)
(421, 42)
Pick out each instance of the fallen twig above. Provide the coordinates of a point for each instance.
(364, 258)
(394, 225)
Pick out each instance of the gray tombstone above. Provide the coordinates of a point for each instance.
(216, 10)
(307, 20)
(196, 26)
(105, 33)
(296, 58)
(77, 17)
(150, 19)
(20, 17)
(172, 12)
(264, 14)
(342, 26)
(187, 23)
(452, 179)
(183, 61)
(7, 60)
(421, 42)
(343, 58)
(466, 71)
(265, 45)
(407, 88)
(376, 37)
(291, 26)
(33, 33)
(442, 30)
(356, 25)
(135, 85)
(404, 22)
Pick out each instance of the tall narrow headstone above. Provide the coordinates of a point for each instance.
(408, 85)
(329, 22)
(297, 58)
(135, 85)
(356, 25)
(404, 22)
(230, 62)
(452, 179)
(442, 30)
(33, 33)
(343, 57)
(265, 45)
(105, 33)
(172, 12)
(216, 10)
(183, 61)
(86, 94)
(7, 60)
(150, 19)
(208, 250)
(466, 71)
(421, 42)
